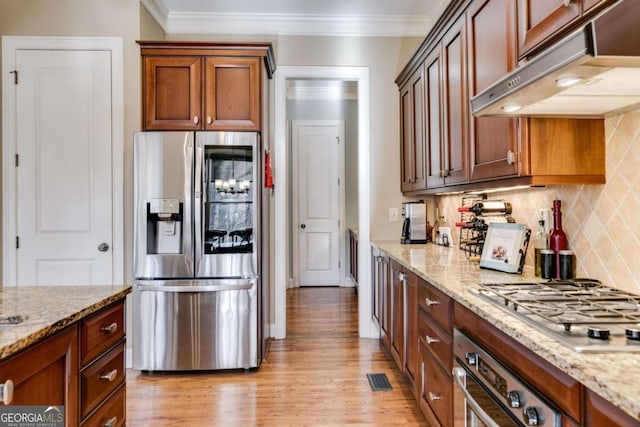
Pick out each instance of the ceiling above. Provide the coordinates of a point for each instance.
(391, 18)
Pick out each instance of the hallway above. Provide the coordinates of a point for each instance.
(315, 377)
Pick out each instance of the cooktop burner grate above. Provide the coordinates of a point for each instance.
(565, 308)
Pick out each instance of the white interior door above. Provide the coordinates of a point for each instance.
(64, 167)
(319, 159)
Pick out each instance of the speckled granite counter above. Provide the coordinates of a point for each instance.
(615, 376)
(48, 310)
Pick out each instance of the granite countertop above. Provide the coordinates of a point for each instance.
(49, 309)
(614, 376)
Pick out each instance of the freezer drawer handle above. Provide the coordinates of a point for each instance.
(111, 422)
(109, 376)
(110, 329)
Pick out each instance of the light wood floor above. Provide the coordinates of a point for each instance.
(315, 377)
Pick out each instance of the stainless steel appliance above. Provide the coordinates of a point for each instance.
(591, 73)
(488, 394)
(414, 226)
(582, 314)
(199, 298)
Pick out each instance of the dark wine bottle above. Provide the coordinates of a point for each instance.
(557, 238)
(488, 207)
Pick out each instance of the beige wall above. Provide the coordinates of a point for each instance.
(602, 222)
(112, 18)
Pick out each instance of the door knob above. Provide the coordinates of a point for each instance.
(303, 225)
(103, 247)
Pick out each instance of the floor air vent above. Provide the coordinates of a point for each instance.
(379, 382)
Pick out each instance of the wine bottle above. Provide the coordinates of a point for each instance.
(488, 207)
(540, 242)
(557, 238)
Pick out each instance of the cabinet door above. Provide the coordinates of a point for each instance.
(396, 339)
(434, 137)
(491, 55)
(411, 359)
(539, 20)
(456, 139)
(232, 93)
(412, 133)
(47, 374)
(171, 98)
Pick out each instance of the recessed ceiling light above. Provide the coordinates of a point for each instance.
(568, 81)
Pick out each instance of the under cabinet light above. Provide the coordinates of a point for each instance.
(511, 108)
(568, 81)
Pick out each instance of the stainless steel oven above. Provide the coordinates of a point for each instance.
(487, 394)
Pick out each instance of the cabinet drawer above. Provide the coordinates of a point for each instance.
(436, 393)
(99, 379)
(436, 341)
(111, 413)
(436, 305)
(100, 331)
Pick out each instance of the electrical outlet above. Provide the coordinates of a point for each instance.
(393, 214)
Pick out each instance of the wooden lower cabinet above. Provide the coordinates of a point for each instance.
(436, 390)
(411, 359)
(599, 412)
(47, 374)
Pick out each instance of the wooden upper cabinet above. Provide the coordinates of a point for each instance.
(456, 105)
(434, 119)
(172, 93)
(204, 86)
(491, 27)
(541, 22)
(232, 93)
(540, 19)
(412, 133)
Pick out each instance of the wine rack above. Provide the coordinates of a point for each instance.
(473, 226)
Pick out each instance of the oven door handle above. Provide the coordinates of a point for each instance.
(459, 374)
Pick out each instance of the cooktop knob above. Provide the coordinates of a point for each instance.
(532, 416)
(472, 358)
(633, 333)
(598, 333)
(514, 399)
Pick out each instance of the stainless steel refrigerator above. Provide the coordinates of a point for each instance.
(199, 298)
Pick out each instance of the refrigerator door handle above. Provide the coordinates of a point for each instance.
(189, 205)
(205, 288)
(198, 205)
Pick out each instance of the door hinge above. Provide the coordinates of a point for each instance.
(15, 76)
(338, 139)
(17, 160)
(17, 242)
(339, 264)
(338, 182)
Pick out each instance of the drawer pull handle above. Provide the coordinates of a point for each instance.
(431, 302)
(433, 396)
(110, 376)
(6, 390)
(110, 329)
(431, 340)
(111, 422)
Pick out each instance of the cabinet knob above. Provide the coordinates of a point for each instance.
(6, 390)
(567, 3)
(511, 157)
(209, 120)
(196, 120)
(109, 376)
(401, 277)
(430, 302)
(111, 422)
(434, 396)
(110, 329)
(431, 340)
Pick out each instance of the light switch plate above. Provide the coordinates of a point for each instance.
(393, 214)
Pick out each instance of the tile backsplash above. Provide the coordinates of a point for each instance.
(602, 222)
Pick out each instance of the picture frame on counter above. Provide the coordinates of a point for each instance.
(505, 247)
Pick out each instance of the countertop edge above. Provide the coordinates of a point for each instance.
(51, 329)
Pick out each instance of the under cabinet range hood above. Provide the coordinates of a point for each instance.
(593, 72)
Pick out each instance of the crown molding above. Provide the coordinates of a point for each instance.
(287, 24)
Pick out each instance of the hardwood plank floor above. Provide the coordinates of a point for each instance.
(315, 377)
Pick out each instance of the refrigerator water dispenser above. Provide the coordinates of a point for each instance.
(164, 226)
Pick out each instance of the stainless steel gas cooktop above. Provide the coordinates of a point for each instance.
(582, 313)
